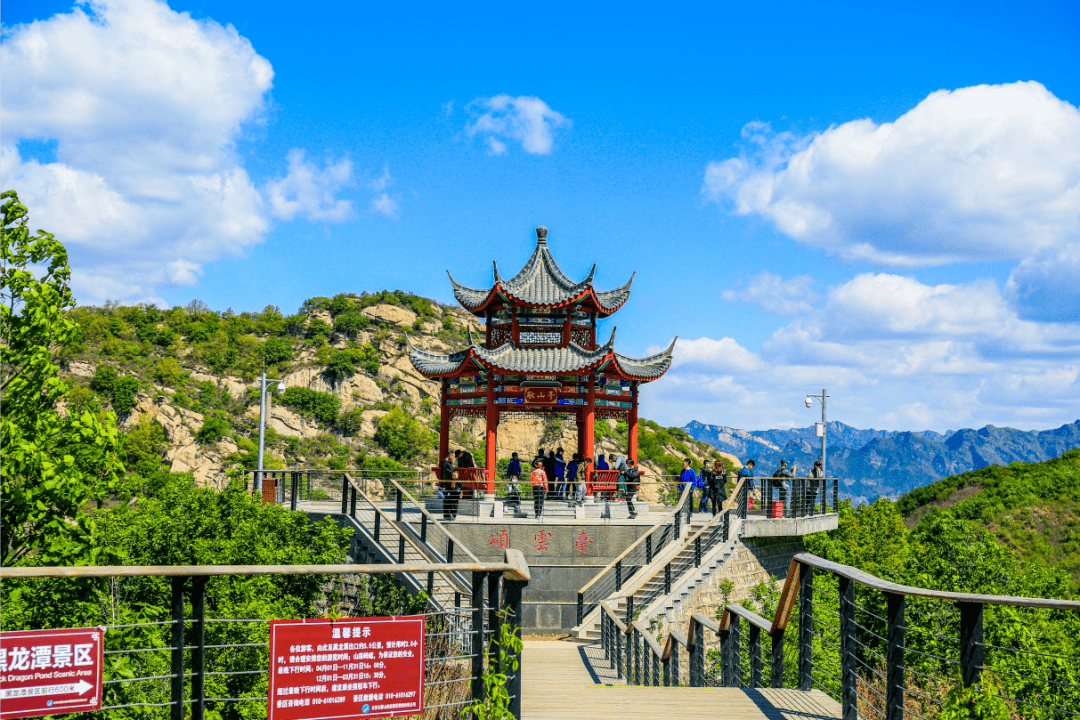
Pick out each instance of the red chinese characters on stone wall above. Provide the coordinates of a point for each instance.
(582, 542)
(541, 539)
(500, 539)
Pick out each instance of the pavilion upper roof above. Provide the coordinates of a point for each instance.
(572, 359)
(542, 284)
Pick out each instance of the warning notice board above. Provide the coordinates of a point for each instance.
(50, 672)
(353, 667)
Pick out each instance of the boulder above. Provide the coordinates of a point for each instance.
(81, 368)
(391, 314)
(359, 390)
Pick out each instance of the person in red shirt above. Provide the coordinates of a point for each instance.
(539, 481)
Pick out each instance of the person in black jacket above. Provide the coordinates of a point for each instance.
(716, 482)
(446, 484)
(464, 459)
(633, 476)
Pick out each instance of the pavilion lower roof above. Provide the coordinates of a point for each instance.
(571, 359)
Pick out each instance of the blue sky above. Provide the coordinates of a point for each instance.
(882, 201)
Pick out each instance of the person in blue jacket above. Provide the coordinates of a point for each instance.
(687, 476)
(571, 477)
(601, 463)
(560, 474)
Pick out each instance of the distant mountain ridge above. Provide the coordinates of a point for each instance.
(872, 462)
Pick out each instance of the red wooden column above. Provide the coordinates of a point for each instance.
(581, 435)
(632, 422)
(444, 423)
(490, 457)
(590, 426)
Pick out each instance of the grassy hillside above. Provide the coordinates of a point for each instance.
(1032, 508)
(183, 382)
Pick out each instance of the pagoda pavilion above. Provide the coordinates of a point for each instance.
(540, 355)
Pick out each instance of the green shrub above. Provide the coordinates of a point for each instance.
(212, 430)
(350, 422)
(343, 363)
(317, 329)
(293, 325)
(103, 380)
(339, 304)
(403, 436)
(350, 323)
(169, 373)
(124, 394)
(321, 406)
(276, 350)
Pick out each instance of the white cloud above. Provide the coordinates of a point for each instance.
(309, 191)
(978, 173)
(527, 120)
(386, 205)
(145, 105)
(889, 349)
(776, 295)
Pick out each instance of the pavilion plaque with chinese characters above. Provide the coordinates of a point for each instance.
(540, 395)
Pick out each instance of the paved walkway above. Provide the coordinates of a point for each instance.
(563, 679)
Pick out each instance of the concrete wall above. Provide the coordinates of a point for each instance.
(562, 555)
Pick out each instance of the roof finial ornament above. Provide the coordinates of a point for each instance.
(541, 235)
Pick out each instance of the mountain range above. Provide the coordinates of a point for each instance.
(873, 463)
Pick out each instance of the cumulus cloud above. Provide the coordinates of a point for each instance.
(978, 173)
(776, 295)
(526, 120)
(890, 349)
(144, 106)
(308, 191)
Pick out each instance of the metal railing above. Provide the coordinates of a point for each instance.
(794, 497)
(199, 661)
(880, 649)
(639, 555)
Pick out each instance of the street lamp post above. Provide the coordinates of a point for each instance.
(264, 382)
(810, 403)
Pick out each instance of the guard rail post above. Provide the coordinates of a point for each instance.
(423, 527)
(735, 645)
(778, 658)
(755, 656)
(198, 654)
(849, 697)
(477, 635)
(727, 526)
(352, 502)
(697, 552)
(176, 683)
(648, 549)
(378, 524)
(494, 621)
(675, 665)
(293, 488)
(836, 495)
(667, 668)
(697, 664)
(971, 641)
(894, 658)
(449, 549)
(344, 494)
(512, 591)
(618, 576)
(667, 579)
(725, 657)
(806, 625)
(580, 608)
(398, 506)
(618, 650)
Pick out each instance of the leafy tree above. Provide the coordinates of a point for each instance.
(350, 422)
(144, 447)
(403, 436)
(343, 363)
(52, 463)
(124, 393)
(318, 330)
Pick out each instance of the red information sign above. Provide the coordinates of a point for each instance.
(50, 672)
(354, 667)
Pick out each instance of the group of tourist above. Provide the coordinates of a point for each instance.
(553, 477)
(781, 482)
(710, 485)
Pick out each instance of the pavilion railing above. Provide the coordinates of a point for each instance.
(880, 649)
(199, 661)
(295, 485)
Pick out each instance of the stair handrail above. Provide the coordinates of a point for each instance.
(674, 513)
(433, 520)
(648, 574)
(459, 584)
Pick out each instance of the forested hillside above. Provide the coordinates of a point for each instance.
(183, 383)
(1033, 509)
